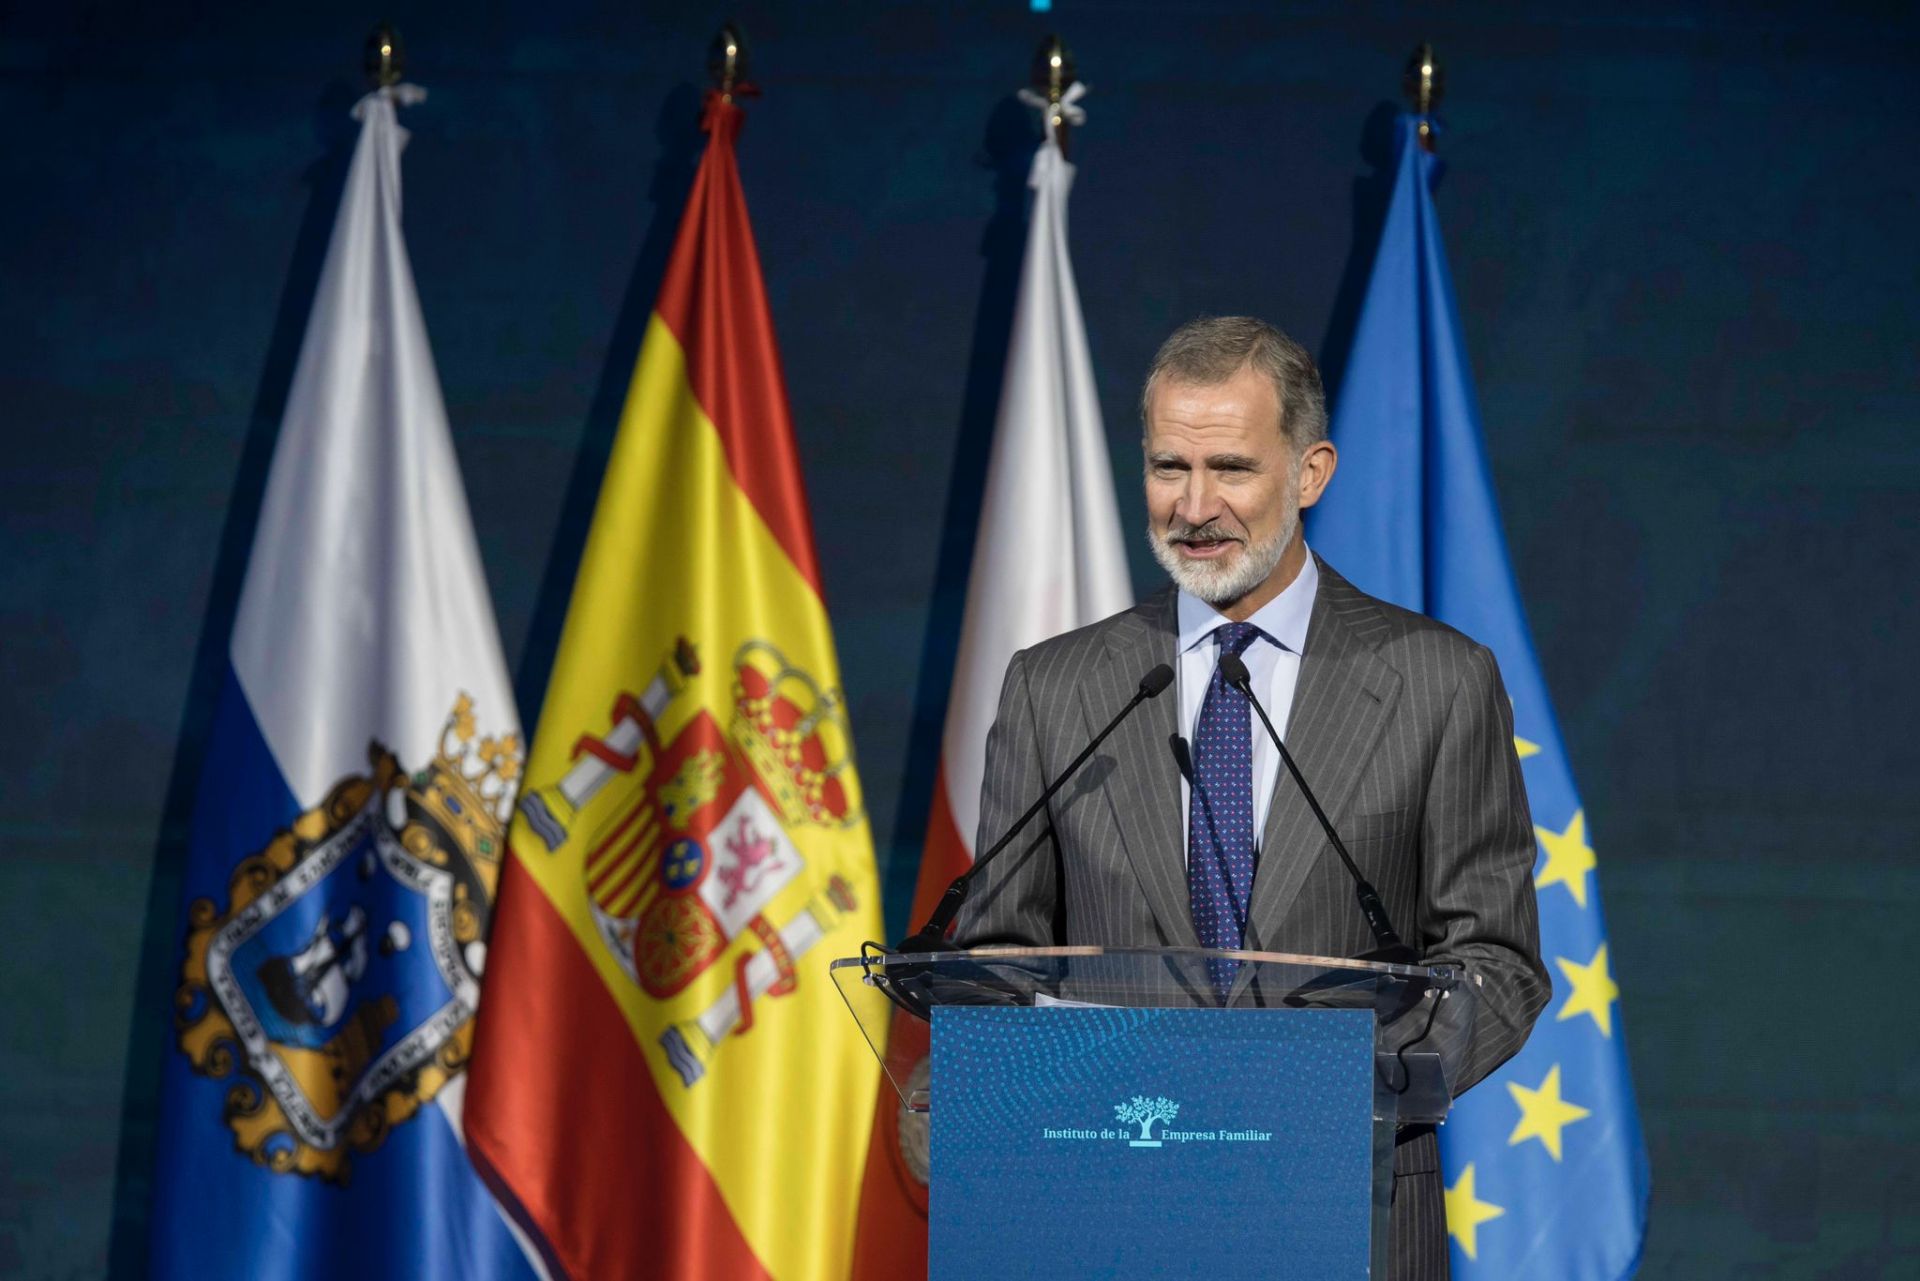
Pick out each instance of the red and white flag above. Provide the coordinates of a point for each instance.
(1048, 559)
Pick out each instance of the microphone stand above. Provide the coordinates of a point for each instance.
(1390, 947)
(932, 937)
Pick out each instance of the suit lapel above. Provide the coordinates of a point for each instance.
(1342, 701)
(1144, 788)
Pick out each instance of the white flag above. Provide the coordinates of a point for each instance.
(365, 612)
(1049, 557)
(349, 824)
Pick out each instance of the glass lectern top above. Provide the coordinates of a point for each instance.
(1416, 1007)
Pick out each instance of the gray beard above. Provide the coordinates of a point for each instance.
(1221, 584)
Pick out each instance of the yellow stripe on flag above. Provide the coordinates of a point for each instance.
(781, 1117)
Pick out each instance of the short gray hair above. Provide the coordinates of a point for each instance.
(1212, 349)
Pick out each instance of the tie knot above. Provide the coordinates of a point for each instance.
(1235, 637)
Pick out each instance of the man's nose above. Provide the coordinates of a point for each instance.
(1199, 500)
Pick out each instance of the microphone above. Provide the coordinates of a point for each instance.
(1234, 672)
(1182, 756)
(933, 935)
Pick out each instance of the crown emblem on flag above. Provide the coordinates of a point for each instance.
(796, 735)
(467, 790)
(335, 990)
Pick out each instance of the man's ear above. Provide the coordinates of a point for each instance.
(1317, 464)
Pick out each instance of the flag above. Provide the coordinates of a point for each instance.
(667, 1083)
(1048, 558)
(348, 828)
(1545, 1166)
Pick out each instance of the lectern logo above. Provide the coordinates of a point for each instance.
(1143, 1112)
(1146, 1113)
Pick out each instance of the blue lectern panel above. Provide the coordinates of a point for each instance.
(1073, 1142)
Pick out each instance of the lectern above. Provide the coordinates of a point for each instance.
(1140, 1112)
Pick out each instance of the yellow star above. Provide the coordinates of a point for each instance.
(1594, 990)
(1465, 1213)
(1523, 748)
(1543, 1113)
(1569, 858)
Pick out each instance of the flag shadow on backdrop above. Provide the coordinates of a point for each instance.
(1371, 193)
(156, 972)
(1006, 151)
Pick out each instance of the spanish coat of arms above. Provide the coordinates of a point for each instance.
(686, 837)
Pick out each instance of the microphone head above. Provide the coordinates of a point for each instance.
(1182, 756)
(1156, 680)
(1234, 671)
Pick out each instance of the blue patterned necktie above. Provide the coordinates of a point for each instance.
(1220, 812)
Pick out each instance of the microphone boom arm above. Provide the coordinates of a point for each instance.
(1391, 947)
(932, 936)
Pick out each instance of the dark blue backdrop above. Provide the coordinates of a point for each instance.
(1684, 239)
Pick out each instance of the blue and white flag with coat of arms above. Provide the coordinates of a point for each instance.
(347, 832)
(1545, 1166)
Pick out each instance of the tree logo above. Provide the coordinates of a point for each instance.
(1143, 1112)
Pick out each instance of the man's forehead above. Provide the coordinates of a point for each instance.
(1208, 433)
(1237, 405)
(1185, 449)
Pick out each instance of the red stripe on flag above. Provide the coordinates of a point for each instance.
(599, 852)
(947, 854)
(619, 869)
(642, 888)
(715, 304)
(608, 896)
(891, 1238)
(561, 1109)
(641, 900)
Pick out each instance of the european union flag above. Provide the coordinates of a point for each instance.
(1546, 1170)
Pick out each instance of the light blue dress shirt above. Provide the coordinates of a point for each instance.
(1273, 664)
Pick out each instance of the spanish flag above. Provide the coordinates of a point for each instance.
(666, 1083)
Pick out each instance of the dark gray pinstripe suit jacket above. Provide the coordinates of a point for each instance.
(1403, 728)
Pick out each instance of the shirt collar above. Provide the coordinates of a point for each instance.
(1282, 620)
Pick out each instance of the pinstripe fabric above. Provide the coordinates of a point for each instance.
(1417, 1227)
(1404, 729)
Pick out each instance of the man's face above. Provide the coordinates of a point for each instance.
(1225, 485)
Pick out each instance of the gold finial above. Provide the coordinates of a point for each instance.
(386, 60)
(727, 61)
(1053, 75)
(1424, 83)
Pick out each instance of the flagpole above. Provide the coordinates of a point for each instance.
(386, 58)
(1054, 74)
(1424, 83)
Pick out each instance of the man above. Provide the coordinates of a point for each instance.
(1399, 723)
